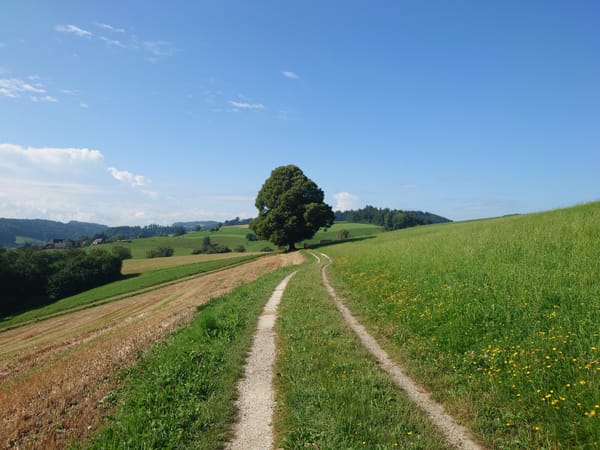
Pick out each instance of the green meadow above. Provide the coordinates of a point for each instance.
(233, 237)
(498, 318)
(331, 393)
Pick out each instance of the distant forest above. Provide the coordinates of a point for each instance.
(390, 219)
(82, 233)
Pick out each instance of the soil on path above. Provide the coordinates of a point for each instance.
(256, 402)
(55, 374)
(456, 434)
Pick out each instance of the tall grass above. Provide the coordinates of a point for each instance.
(331, 394)
(499, 318)
(181, 395)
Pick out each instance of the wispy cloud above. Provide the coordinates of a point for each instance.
(43, 99)
(73, 29)
(155, 49)
(345, 201)
(14, 88)
(244, 105)
(31, 89)
(116, 43)
(158, 49)
(289, 74)
(108, 27)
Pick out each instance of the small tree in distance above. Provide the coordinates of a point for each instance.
(290, 208)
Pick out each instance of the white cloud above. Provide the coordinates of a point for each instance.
(289, 74)
(18, 157)
(73, 29)
(108, 27)
(244, 105)
(128, 178)
(345, 201)
(14, 88)
(70, 184)
(44, 99)
(155, 48)
(116, 43)
(83, 104)
(77, 184)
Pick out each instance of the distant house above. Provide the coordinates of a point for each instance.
(56, 243)
(98, 241)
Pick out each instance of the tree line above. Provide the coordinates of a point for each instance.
(31, 277)
(390, 219)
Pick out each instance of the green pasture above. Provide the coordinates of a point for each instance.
(356, 230)
(122, 287)
(233, 237)
(498, 318)
(331, 392)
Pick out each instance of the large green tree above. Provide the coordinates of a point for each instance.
(290, 208)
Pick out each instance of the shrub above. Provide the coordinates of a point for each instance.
(343, 234)
(210, 249)
(122, 252)
(240, 249)
(266, 249)
(160, 252)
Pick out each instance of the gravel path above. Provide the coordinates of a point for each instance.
(456, 434)
(256, 401)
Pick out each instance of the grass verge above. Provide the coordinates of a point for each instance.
(181, 394)
(498, 318)
(119, 288)
(331, 394)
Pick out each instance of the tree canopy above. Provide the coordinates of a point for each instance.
(290, 208)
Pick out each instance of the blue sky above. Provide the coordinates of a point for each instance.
(136, 112)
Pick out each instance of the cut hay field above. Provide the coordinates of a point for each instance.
(498, 318)
(143, 274)
(56, 375)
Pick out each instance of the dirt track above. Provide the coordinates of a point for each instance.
(54, 374)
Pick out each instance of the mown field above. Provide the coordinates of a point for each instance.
(498, 318)
(181, 395)
(142, 274)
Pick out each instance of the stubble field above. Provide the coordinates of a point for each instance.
(54, 373)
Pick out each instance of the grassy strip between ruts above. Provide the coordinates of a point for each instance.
(121, 287)
(181, 394)
(331, 394)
